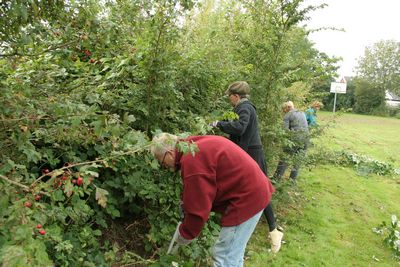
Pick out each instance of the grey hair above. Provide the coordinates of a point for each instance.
(163, 142)
(288, 105)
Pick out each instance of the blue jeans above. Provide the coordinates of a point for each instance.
(232, 241)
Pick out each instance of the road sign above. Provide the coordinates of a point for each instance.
(339, 88)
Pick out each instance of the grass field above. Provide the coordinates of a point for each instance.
(377, 137)
(328, 217)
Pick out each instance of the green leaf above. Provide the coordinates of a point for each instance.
(101, 197)
(58, 195)
(68, 188)
(154, 164)
(32, 155)
(97, 232)
(23, 232)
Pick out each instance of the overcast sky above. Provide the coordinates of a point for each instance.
(365, 22)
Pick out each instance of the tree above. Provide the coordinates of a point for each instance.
(381, 65)
(369, 98)
(265, 45)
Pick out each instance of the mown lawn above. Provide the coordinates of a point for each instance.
(377, 137)
(328, 217)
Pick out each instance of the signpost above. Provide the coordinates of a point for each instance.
(338, 88)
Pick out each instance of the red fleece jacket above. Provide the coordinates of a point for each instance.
(220, 177)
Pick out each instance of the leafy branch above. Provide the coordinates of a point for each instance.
(16, 53)
(58, 171)
(24, 187)
(14, 182)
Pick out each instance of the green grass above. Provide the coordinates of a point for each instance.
(328, 217)
(377, 137)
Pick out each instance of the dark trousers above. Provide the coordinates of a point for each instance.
(258, 155)
(281, 168)
(297, 154)
(270, 217)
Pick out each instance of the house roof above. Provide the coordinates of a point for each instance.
(391, 96)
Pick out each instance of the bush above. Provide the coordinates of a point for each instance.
(369, 98)
(394, 112)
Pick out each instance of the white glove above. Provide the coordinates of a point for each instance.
(177, 241)
(214, 123)
(180, 240)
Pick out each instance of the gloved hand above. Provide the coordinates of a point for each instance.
(214, 124)
(180, 240)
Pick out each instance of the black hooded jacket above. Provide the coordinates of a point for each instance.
(244, 132)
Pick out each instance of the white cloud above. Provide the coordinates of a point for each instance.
(365, 22)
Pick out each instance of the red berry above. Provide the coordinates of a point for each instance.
(45, 171)
(79, 181)
(37, 197)
(92, 60)
(42, 232)
(64, 177)
(74, 181)
(28, 204)
(38, 226)
(87, 52)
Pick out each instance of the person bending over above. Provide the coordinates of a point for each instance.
(219, 177)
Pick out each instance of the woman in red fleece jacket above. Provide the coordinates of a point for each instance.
(219, 177)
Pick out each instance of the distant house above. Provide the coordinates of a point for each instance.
(392, 100)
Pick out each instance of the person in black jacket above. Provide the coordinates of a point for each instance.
(244, 132)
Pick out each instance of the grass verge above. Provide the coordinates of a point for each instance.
(376, 137)
(328, 220)
(328, 217)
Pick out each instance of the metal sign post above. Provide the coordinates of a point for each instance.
(338, 87)
(334, 103)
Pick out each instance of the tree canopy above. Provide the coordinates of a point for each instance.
(380, 64)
